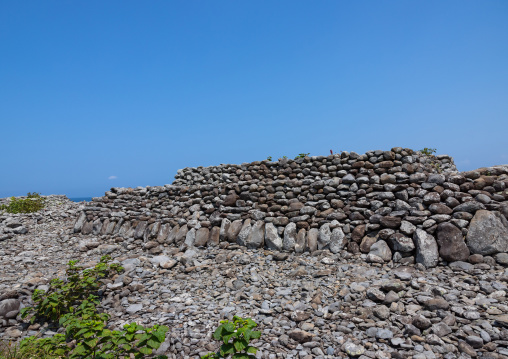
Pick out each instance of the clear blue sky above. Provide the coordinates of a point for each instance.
(100, 94)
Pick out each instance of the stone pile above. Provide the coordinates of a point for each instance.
(309, 305)
(12, 224)
(395, 205)
(374, 262)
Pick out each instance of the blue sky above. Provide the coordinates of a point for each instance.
(100, 94)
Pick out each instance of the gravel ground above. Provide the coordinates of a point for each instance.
(318, 305)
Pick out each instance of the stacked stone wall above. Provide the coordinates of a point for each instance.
(395, 205)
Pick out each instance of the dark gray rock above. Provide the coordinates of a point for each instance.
(8, 306)
(400, 243)
(451, 243)
(470, 207)
(256, 235)
(488, 233)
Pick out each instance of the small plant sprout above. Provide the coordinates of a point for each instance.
(428, 151)
(302, 155)
(235, 337)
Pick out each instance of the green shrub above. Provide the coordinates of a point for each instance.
(302, 155)
(236, 336)
(428, 151)
(12, 350)
(73, 304)
(62, 295)
(87, 330)
(33, 203)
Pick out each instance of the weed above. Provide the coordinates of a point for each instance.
(73, 304)
(428, 151)
(33, 203)
(12, 350)
(63, 295)
(302, 155)
(236, 336)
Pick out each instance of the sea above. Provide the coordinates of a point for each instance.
(81, 199)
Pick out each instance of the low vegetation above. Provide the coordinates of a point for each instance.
(32, 203)
(72, 304)
(428, 151)
(71, 307)
(235, 337)
(302, 155)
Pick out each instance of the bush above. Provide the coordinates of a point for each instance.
(64, 295)
(239, 332)
(11, 350)
(33, 203)
(428, 151)
(73, 304)
(302, 155)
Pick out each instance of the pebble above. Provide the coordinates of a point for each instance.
(307, 305)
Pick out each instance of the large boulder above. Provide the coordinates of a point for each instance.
(224, 228)
(325, 236)
(381, 249)
(367, 242)
(312, 239)
(452, 247)
(233, 230)
(400, 243)
(426, 249)
(503, 208)
(301, 241)
(80, 222)
(9, 306)
(190, 237)
(289, 240)
(256, 236)
(272, 239)
(488, 233)
(202, 236)
(338, 240)
(244, 233)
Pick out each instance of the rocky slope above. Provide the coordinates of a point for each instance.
(315, 304)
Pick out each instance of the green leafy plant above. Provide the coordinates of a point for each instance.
(235, 336)
(428, 151)
(434, 162)
(32, 203)
(86, 330)
(63, 295)
(269, 158)
(302, 155)
(12, 350)
(73, 304)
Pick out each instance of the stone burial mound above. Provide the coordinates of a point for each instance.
(389, 254)
(396, 205)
